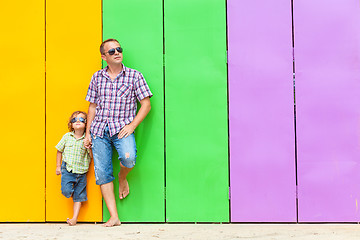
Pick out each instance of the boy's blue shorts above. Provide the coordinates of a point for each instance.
(73, 184)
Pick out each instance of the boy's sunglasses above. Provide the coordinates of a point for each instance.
(75, 119)
(112, 51)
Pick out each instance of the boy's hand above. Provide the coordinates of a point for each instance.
(58, 170)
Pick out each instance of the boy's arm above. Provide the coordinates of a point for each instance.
(143, 111)
(58, 162)
(90, 153)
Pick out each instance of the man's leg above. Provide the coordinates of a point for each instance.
(102, 153)
(107, 191)
(126, 148)
(123, 183)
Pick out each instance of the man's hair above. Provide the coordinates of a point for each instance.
(103, 43)
(72, 116)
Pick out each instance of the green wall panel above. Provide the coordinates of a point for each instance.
(138, 25)
(196, 111)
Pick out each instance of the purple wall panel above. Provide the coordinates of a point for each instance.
(327, 58)
(262, 142)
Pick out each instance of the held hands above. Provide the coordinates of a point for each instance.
(58, 170)
(126, 131)
(87, 141)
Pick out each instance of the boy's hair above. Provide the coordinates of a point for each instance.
(72, 116)
(103, 43)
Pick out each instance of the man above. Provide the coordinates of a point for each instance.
(112, 120)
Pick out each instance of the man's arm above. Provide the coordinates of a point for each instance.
(143, 111)
(90, 118)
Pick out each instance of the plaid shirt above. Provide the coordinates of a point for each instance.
(115, 100)
(74, 153)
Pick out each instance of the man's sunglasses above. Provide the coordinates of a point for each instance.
(112, 51)
(75, 119)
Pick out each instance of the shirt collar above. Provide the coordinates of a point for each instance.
(73, 135)
(124, 71)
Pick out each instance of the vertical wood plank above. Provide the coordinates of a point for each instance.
(73, 37)
(327, 58)
(196, 111)
(22, 94)
(261, 111)
(138, 26)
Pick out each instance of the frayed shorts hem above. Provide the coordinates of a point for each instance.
(105, 181)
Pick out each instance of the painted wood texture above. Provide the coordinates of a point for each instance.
(22, 94)
(261, 111)
(196, 111)
(73, 37)
(138, 26)
(327, 58)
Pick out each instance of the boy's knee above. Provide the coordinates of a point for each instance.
(67, 192)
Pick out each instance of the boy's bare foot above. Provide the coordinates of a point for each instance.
(112, 222)
(123, 188)
(71, 222)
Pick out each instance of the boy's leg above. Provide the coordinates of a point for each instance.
(73, 221)
(79, 196)
(67, 181)
(126, 148)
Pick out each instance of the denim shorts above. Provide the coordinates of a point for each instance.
(73, 184)
(102, 148)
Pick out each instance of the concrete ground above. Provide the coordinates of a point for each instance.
(181, 231)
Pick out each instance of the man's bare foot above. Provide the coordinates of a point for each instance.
(112, 223)
(71, 222)
(123, 188)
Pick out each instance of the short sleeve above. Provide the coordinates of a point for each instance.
(91, 93)
(61, 145)
(142, 90)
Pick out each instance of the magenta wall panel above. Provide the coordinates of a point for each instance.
(327, 58)
(261, 111)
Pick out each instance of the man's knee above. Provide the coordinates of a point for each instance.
(128, 160)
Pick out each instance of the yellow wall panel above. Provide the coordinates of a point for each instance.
(22, 97)
(73, 36)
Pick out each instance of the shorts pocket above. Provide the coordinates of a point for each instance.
(63, 166)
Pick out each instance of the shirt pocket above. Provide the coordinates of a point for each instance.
(125, 91)
(69, 144)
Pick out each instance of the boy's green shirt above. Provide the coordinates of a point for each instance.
(74, 153)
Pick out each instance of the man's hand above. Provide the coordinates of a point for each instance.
(143, 111)
(58, 170)
(126, 131)
(87, 141)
